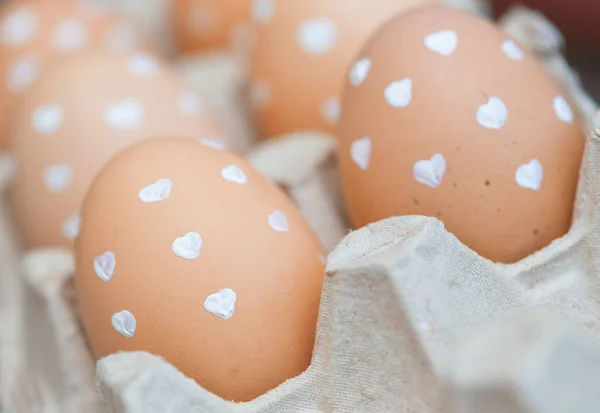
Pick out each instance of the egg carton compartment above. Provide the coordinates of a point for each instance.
(422, 289)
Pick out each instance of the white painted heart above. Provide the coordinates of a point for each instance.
(142, 65)
(23, 73)
(562, 109)
(512, 51)
(47, 118)
(262, 11)
(19, 27)
(443, 42)
(331, 110)
(221, 304)
(399, 93)
(190, 103)
(57, 177)
(121, 38)
(317, 36)
(127, 114)
(104, 265)
(124, 323)
(493, 114)
(359, 71)
(530, 175)
(69, 35)
(430, 172)
(158, 191)
(212, 143)
(234, 173)
(360, 152)
(188, 246)
(278, 221)
(70, 228)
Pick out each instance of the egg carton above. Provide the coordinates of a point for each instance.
(400, 296)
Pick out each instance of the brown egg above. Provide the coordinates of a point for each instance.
(82, 110)
(302, 50)
(203, 25)
(189, 253)
(31, 31)
(444, 116)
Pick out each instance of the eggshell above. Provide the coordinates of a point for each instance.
(444, 116)
(31, 31)
(189, 253)
(204, 25)
(300, 55)
(82, 110)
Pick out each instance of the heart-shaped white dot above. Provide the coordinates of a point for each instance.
(70, 227)
(360, 152)
(46, 119)
(57, 177)
(262, 11)
(188, 246)
(430, 172)
(399, 93)
(530, 175)
(158, 191)
(142, 65)
(260, 93)
(69, 35)
(124, 323)
(234, 173)
(121, 38)
(278, 221)
(443, 42)
(562, 109)
(221, 304)
(23, 73)
(359, 71)
(493, 114)
(190, 103)
(104, 265)
(127, 114)
(19, 27)
(512, 50)
(214, 144)
(331, 110)
(317, 36)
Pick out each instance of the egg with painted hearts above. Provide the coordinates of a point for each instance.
(187, 252)
(84, 109)
(301, 52)
(443, 115)
(211, 25)
(33, 31)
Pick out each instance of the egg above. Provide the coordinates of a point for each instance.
(189, 253)
(82, 110)
(445, 116)
(301, 52)
(209, 25)
(31, 31)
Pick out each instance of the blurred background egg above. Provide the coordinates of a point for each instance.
(31, 31)
(187, 252)
(445, 116)
(209, 25)
(301, 52)
(81, 111)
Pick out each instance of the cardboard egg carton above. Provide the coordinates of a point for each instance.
(401, 299)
